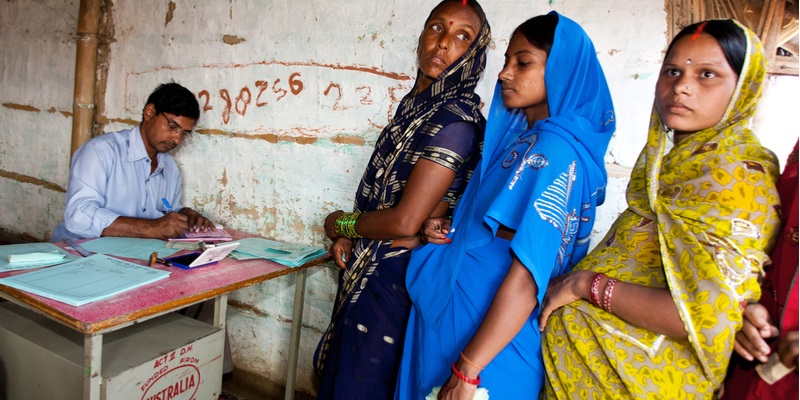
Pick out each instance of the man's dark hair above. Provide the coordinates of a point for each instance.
(174, 99)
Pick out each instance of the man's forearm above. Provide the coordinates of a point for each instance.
(132, 227)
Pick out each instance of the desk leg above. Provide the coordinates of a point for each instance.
(92, 364)
(220, 315)
(294, 341)
(220, 309)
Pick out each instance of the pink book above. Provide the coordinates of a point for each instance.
(219, 235)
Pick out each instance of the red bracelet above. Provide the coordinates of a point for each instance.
(594, 292)
(459, 375)
(607, 294)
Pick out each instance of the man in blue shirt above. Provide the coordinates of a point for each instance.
(126, 184)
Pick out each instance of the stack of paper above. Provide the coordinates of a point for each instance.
(219, 235)
(292, 255)
(32, 255)
(85, 280)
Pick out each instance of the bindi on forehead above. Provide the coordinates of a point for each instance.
(451, 23)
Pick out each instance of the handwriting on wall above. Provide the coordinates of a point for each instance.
(281, 96)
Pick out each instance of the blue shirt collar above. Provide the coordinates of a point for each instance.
(136, 150)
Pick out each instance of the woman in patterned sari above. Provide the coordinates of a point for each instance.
(653, 310)
(419, 168)
(525, 217)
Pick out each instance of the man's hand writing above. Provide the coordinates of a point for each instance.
(197, 222)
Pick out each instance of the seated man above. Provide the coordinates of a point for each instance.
(125, 184)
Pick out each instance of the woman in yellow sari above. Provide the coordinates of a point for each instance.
(653, 310)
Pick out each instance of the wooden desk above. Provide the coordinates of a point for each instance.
(181, 289)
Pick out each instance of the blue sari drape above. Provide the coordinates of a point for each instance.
(544, 183)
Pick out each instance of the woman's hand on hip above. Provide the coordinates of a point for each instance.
(563, 290)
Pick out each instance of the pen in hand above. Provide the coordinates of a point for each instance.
(166, 203)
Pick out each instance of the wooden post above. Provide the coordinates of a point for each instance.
(83, 102)
(769, 27)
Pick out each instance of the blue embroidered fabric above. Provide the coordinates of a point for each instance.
(544, 183)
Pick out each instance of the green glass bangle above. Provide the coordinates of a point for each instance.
(346, 225)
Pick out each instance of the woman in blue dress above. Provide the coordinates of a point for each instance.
(524, 218)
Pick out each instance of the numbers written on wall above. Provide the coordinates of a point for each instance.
(265, 92)
(285, 96)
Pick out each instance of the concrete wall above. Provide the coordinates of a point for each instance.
(294, 94)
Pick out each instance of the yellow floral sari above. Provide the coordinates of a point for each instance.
(701, 220)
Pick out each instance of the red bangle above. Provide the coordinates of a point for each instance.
(607, 294)
(594, 292)
(459, 375)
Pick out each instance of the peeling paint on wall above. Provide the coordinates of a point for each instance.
(21, 107)
(31, 180)
(343, 139)
(232, 39)
(170, 13)
(244, 307)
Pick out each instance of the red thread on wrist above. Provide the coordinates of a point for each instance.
(468, 361)
(594, 290)
(459, 375)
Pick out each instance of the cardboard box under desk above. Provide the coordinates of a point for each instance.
(168, 357)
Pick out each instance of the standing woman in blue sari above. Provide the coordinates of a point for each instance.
(525, 217)
(418, 169)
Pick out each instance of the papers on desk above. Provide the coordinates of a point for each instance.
(85, 280)
(292, 255)
(32, 255)
(129, 247)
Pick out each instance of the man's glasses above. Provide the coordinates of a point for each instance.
(174, 127)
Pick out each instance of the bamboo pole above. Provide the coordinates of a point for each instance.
(770, 27)
(83, 102)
